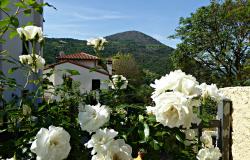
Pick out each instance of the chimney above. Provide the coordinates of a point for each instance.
(61, 53)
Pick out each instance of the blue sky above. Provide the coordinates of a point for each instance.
(82, 19)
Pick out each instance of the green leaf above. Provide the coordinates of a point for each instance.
(21, 5)
(12, 70)
(92, 69)
(151, 118)
(4, 3)
(2, 40)
(73, 72)
(155, 144)
(14, 21)
(5, 22)
(41, 108)
(29, 23)
(178, 137)
(39, 9)
(27, 12)
(13, 34)
(4, 52)
(30, 2)
(141, 118)
(1, 72)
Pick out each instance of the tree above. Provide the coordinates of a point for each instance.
(217, 36)
(125, 64)
(190, 66)
(246, 71)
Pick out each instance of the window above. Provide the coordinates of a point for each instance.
(25, 48)
(96, 84)
(98, 63)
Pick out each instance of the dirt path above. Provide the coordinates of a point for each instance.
(241, 121)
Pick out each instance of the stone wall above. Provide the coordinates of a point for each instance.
(240, 97)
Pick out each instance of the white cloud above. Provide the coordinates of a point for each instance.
(99, 15)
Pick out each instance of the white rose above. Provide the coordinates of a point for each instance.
(119, 150)
(93, 117)
(97, 43)
(209, 154)
(25, 59)
(118, 82)
(101, 140)
(99, 157)
(206, 139)
(171, 110)
(211, 91)
(51, 144)
(176, 81)
(35, 61)
(31, 33)
(40, 62)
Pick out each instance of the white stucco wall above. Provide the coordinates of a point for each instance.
(240, 97)
(88, 63)
(85, 77)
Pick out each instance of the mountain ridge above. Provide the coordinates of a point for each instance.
(128, 35)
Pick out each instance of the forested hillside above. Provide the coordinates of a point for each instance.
(149, 53)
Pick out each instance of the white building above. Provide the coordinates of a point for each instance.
(92, 76)
(15, 47)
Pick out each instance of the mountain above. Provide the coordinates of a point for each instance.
(149, 53)
(135, 36)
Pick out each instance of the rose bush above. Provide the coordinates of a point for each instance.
(114, 126)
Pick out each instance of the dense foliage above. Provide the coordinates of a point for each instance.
(216, 37)
(58, 122)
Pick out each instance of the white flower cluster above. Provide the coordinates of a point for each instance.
(118, 82)
(33, 34)
(97, 43)
(29, 33)
(91, 118)
(208, 151)
(105, 147)
(211, 91)
(175, 95)
(51, 144)
(35, 61)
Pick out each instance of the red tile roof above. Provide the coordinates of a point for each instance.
(78, 56)
(75, 63)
